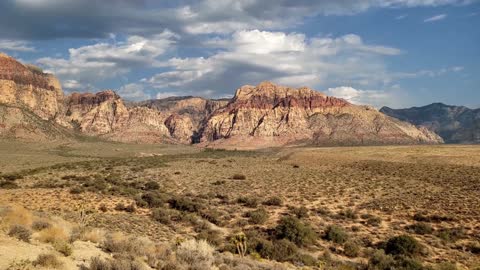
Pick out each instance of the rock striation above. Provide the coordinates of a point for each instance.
(272, 115)
(266, 115)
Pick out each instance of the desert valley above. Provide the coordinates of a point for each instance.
(274, 178)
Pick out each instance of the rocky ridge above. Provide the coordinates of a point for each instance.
(272, 115)
(257, 116)
(455, 124)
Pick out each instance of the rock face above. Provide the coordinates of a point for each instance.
(185, 115)
(30, 103)
(455, 124)
(271, 115)
(29, 87)
(33, 105)
(105, 114)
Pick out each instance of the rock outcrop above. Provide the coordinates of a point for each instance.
(104, 114)
(258, 116)
(455, 124)
(271, 115)
(27, 86)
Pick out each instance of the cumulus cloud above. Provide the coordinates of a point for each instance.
(16, 45)
(133, 91)
(286, 58)
(436, 18)
(369, 97)
(100, 61)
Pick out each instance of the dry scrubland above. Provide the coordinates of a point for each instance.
(99, 205)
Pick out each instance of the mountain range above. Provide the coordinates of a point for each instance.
(34, 107)
(455, 124)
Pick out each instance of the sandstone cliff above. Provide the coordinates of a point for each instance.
(185, 115)
(105, 114)
(31, 102)
(28, 87)
(33, 105)
(271, 115)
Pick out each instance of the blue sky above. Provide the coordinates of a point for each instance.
(398, 53)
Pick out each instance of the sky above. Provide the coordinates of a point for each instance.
(397, 53)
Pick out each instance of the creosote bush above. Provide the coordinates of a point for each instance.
(336, 234)
(248, 201)
(258, 216)
(49, 261)
(420, 228)
(273, 201)
(20, 232)
(195, 254)
(300, 212)
(403, 245)
(238, 176)
(293, 229)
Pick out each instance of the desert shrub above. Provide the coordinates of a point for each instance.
(445, 266)
(93, 235)
(213, 237)
(403, 245)
(238, 176)
(451, 234)
(154, 199)
(348, 213)
(131, 208)
(8, 185)
(120, 206)
(474, 247)
(18, 215)
(49, 261)
(63, 247)
(12, 177)
(185, 204)
(336, 234)
(300, 212)
(219, 182)
(20, 232)
(162, 215)
(117, 242)
(97, 263)
(39, 225)
(212, 215)
(103, 208)
(273, 201)
(374, 221)
(422, 217)
(298, 232)
(152, 185)
(195, 254)
(351, 249)
(248, 201)
(258, 216)
(303, 259)
(380, 261)
(323, 211)
(53, 234)
(77, 190)
(279, 250)
(420, 228)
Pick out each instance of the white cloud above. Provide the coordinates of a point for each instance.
(100, 61)
(376, 98)
(16, 45)
(436, 18)
(286, 58)
(133, 91)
